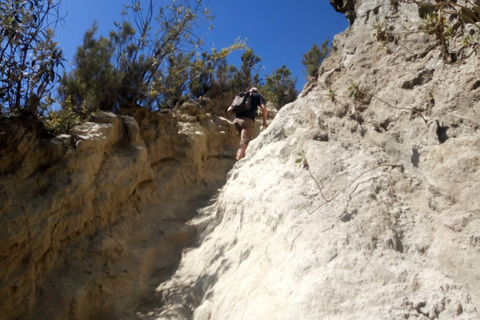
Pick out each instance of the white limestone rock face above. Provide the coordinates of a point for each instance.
(381, 221)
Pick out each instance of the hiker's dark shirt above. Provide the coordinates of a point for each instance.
(257, 100)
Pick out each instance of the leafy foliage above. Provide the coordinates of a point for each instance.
(136, 66)
(301, 156)
(247, 78)
(280, 87)
(145, 55)
(210, 71)
(382, 34)
(354, 91)
(60, 121)
(332, 95)
(28, 55)
(455, 25)
(314, 58)
(94, 82)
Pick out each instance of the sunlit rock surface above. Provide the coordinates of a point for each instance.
(378, 219)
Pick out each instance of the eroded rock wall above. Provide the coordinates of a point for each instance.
(344, 209)
(87, 219)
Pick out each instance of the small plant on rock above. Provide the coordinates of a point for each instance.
(452, 20)
(380, 31)
(355, 92)
(61, 121)
(301, 158)
(332, 95)
(467, 40)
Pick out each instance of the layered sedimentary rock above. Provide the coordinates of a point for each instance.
(89, 219)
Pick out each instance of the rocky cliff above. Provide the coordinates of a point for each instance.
(363, 208)
(89, 219)
(360, 201)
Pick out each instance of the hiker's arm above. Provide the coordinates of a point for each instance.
(264, 114)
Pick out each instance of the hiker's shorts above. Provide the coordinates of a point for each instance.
(245, 128)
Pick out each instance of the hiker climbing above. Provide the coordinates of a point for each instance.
(245, 107)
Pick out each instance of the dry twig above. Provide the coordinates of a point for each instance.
(320, 187)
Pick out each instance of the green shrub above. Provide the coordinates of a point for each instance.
(29, 56)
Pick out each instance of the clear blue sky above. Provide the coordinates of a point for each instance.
(279, 31)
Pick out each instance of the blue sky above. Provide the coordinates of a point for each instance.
(279, 31)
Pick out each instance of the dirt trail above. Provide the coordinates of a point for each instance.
(120, 268)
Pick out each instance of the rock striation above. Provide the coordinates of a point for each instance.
(89, 219)
(350, 209)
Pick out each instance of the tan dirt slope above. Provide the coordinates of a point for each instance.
(90, 220)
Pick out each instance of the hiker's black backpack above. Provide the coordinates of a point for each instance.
(242, 102)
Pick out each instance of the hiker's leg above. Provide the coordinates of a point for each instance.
(241, 151)
(245, 136)
(238, 125)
